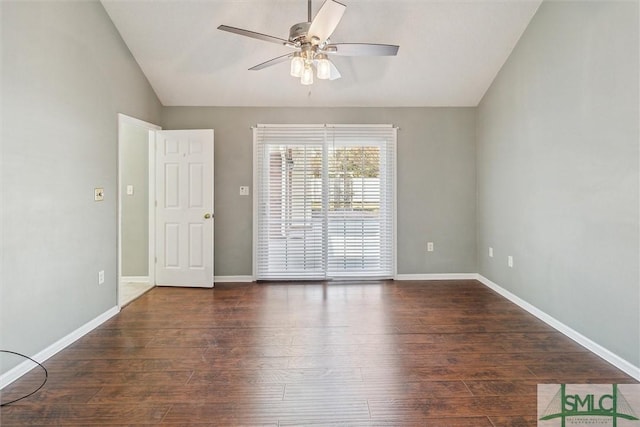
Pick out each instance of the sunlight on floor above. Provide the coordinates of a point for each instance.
(129, 291)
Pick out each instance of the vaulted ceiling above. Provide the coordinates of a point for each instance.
(450, 50)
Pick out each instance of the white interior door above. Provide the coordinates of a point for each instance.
(184, 208)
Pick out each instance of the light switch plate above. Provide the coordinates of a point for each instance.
(98, 194)
(244, 190)
(129, 190)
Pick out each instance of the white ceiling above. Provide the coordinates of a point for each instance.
(450, 50)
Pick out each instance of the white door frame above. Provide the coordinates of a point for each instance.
(151, 128)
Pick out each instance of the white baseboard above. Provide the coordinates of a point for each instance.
(15, 373)
(233, 279)
(134, 279)
(594, 347)
(446, 276)
(451, 276)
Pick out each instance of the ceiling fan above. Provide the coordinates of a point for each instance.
(312, 46)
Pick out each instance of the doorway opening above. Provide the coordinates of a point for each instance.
(136, 185)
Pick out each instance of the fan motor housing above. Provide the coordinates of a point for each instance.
(298, 32)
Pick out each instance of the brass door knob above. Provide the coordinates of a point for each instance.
(207, 216)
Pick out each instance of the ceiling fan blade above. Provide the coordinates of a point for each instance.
(335, 74)
(254, 35)
(271, 62)
(326, 20)
(361, 49)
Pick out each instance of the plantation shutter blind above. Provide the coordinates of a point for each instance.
(289, 221)
(361, 206)
(324, 202)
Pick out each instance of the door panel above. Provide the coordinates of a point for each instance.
(184, 197)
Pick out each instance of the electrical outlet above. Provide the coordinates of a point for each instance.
(100, 277)
(429, 246)
(490, 252)
(510, 261)
(244, 190)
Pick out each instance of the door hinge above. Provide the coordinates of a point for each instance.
(156, 260)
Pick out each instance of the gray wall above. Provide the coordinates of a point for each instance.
(436, 179)
(556, 153)
(134, 170)
(557, 148)
(66, 74)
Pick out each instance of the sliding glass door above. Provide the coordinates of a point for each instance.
(324, 202)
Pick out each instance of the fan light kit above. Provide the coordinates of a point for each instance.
(302, 64)
(312, 46)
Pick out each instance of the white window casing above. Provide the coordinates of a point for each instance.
(324, 202)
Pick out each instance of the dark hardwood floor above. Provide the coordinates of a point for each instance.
(357, 354)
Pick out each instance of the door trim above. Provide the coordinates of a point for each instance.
(152, 206)
(151, 128)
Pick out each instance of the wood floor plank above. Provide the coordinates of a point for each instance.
(116, 341)
(502, 387)
(442, 407)
(277, 376)
(517, 421)
(301, 350)
(98, 379)
(72, 414)
(427, 359)
(194, 394)
(440, 353)
(249, 363)
(373, 390)
(428, 422)
(575, 371)
(299, 411)
(51, 395)
(132, 353)
(453, 373)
